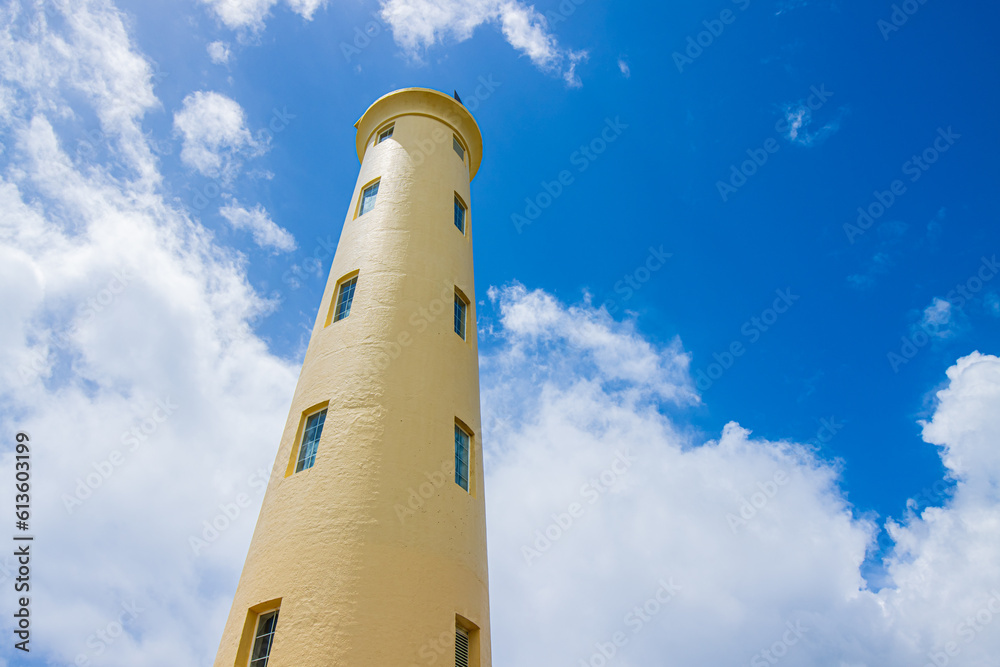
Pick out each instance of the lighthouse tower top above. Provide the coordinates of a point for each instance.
(422, 102)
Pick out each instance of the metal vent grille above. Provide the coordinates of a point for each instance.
(461, 648)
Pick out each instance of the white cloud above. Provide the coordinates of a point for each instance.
(218, 52)
(939, 320)
(251, 14)
(798, 118)
(116, 301)
(534, 320)
(944, 567)
(266, 233)
(420, 24)
(569, 72)
(215, 135)
(120, 307)
(556, 418)
(115, 81)
(624, 68)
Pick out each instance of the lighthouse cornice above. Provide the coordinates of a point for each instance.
(421, 102)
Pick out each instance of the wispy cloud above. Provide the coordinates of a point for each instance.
(266, 233)
(940, 320)
(624, 68)
(799, 119)
(935, 227)
(250, 15)
(215, 135)
(420, 24)
(218, 52)
(992, 304)
(890, 234)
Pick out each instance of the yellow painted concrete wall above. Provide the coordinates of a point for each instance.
(363, 579)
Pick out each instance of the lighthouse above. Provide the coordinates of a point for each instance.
(370, 547)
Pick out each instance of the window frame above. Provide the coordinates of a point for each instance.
(460, 298)
(333, 312)
(381, 135)
(248, 636)
(303, 454)
(461, 428)
(458, 147)
(360, 211)
(257, 636)
(471, 632)
(338, 302)
(300, 432)
(460, 203)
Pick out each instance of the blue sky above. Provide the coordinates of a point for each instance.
(657, 185)
(715, 154)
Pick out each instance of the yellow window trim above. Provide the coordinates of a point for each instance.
(250, 629)
(336, 293)
(297, 443)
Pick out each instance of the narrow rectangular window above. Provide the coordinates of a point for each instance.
(458, 147)
(368, 198)
(460, 310)
(310, 441)
(459, 214)
(462, 457)
(385, 134)
(345, 297)
(461, 647)
(263, 639)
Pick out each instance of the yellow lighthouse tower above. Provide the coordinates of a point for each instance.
(370, 548)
